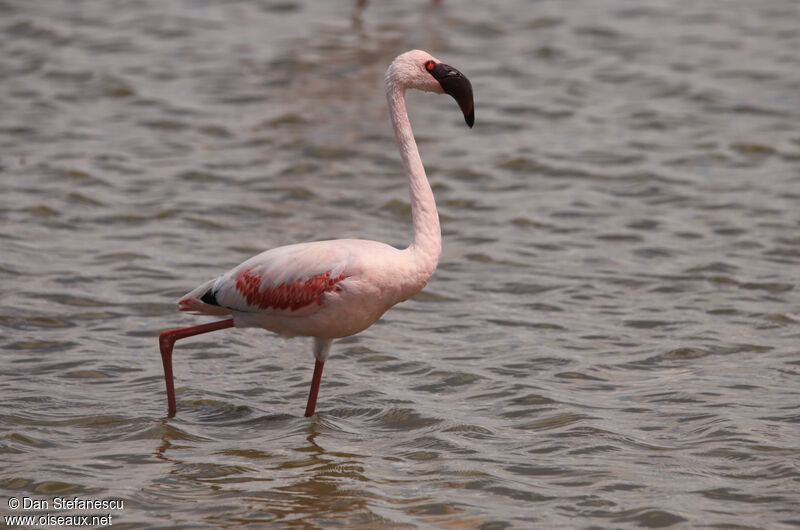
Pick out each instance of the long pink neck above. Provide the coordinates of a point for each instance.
(426, 241)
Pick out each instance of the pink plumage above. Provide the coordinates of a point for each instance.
(336, 288)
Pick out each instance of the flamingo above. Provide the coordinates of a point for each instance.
(336, 288)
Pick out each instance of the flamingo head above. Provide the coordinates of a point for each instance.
(420, 70)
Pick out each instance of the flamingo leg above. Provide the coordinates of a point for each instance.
(166, 341)
(312, 394)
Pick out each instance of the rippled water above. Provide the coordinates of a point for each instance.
(611, 339)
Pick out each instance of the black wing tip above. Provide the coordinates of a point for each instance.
(470, 118)
(210, 298)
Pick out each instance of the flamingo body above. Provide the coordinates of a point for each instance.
(337, 288)
(326, 289)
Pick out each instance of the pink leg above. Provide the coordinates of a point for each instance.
(312, 394)
(167, 340)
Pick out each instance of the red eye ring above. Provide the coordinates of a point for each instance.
(430, 65)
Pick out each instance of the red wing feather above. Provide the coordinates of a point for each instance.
(291, 296)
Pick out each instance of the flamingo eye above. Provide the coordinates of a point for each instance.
(430, 65)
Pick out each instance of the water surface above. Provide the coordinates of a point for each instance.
(611, 339)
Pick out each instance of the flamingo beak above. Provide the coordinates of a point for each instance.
(458, 86)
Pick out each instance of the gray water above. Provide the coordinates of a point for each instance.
(611, 338)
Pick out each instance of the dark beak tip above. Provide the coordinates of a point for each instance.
(456, 85)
